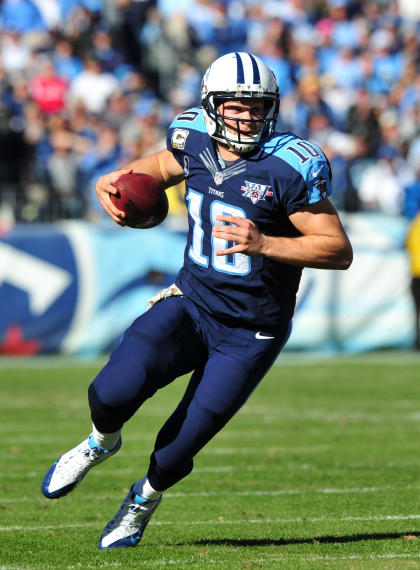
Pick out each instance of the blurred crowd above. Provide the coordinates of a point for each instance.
(88, 85)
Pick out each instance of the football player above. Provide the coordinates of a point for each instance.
(258, 213)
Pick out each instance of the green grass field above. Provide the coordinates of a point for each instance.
(320, 469)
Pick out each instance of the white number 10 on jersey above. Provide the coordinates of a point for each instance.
(236, 264)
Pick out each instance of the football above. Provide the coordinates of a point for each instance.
(143, 201)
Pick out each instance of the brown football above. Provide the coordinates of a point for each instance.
(141, 198)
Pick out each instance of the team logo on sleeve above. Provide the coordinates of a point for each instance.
(255, 191)
(321, 186)
(179, 138)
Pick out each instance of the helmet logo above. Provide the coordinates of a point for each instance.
(255, 191)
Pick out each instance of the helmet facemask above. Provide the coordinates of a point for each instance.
(232, 136)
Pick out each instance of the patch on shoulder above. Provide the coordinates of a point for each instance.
(179, 138)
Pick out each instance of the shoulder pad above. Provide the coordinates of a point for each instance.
(190, 119)
(307, 159)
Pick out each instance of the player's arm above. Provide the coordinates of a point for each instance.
(323, 243)
(161, 165)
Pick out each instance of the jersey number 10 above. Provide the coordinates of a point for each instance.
(236, 264)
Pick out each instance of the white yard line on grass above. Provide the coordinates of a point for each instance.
(164, 562)
(328, 557)
(267, 414)
(322, 491)
(224, 522)
(325, 491)
(211, 450)
(161, 563)
(69, 567)
(241, 469)
(327, 416)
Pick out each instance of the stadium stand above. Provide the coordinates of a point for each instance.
(87, 85)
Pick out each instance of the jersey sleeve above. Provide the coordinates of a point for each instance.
(312, 182)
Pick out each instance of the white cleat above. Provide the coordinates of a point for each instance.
(67, 472)
(126, 528)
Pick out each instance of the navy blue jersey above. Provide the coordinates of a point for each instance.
(285, 175)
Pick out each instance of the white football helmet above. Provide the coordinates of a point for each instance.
(239, 75)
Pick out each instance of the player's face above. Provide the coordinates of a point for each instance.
(243, 115)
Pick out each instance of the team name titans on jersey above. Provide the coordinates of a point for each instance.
(217, 193)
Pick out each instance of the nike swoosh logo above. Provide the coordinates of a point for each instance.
(315, 174)
(262, 336)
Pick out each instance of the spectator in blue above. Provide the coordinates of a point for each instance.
(388, 64)
(67, 65)
(203, 18)
(273, 49)
(345, 31)
(345, 70)
(112, 60)
(106, 154)
(21, 16)
(309, 103)
(15, 97)
(67, 7)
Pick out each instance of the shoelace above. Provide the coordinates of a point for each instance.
(127, 508)
(79, 458)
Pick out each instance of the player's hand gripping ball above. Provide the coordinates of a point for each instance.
(145, 204)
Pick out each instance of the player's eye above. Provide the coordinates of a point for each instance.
(257, 111)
